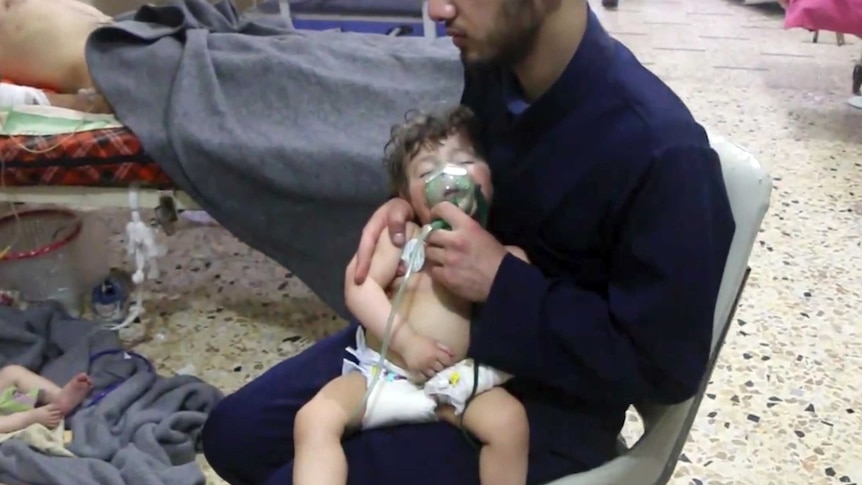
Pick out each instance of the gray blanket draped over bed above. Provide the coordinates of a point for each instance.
(144, 431)
(277, 134)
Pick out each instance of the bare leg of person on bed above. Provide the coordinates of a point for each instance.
(42, 45)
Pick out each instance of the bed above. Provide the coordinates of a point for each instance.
(390, 17)
(96, 166)
(59, 157)
(62, 157)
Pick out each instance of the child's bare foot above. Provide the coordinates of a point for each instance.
(74, 393)
(48, 415)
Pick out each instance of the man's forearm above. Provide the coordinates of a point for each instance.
(646, 333)
(552, 333)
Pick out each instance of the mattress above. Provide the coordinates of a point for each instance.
(105, 157)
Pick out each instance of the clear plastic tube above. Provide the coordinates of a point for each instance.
(414, 261)
(451, 183)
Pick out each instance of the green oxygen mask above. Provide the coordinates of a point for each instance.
(453, 183)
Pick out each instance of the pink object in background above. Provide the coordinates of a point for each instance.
(840, 16)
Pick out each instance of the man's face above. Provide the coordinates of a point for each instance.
(491, 31)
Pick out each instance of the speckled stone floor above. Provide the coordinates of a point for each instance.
(785, 404)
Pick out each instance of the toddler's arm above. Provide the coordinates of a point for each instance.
(15, 422)
(368, 302)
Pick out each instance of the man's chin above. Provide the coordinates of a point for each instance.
(470, 58)
(477, 64)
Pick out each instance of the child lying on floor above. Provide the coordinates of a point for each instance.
(430, 336)
(27, 398)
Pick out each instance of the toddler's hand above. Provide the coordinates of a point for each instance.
(426, 356)
(48, 415)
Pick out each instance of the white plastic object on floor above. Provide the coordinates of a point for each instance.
(652, 460)
(144, 250)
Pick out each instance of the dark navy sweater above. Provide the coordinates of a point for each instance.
(612, 189)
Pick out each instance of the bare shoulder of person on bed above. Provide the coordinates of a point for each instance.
(42, 42)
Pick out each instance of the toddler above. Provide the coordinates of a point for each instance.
(27, 398)
(429, 333)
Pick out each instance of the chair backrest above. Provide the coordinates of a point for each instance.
(652, 459)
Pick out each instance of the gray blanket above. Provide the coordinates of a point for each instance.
(143, 432)
(402, 8)
(277, 134)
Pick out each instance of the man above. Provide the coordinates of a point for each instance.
(610, 186)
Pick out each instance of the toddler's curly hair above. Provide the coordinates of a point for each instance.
(425, 130)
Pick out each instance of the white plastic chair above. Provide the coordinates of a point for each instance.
(652, 460)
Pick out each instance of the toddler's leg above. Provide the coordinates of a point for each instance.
(72, 394)
(26, 381)
(499, 421)
(320, 424)
(65, 399)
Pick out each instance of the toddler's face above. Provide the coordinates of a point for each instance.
(451, 150)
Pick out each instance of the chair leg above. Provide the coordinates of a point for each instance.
(857, 80)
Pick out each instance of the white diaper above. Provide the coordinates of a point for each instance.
(394, 400)
(454, 385)
(397, 400)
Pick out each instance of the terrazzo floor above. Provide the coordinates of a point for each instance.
(784, 405)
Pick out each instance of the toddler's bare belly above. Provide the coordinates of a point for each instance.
(42, 42)
(434, 313)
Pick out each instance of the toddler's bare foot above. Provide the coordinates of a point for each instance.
(48, 415)
(74, 393)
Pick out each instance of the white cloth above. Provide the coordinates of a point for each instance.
(12, 95)
(397, 400)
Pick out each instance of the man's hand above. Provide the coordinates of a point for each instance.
(424, 355)
(465, 259)
(393, 214)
